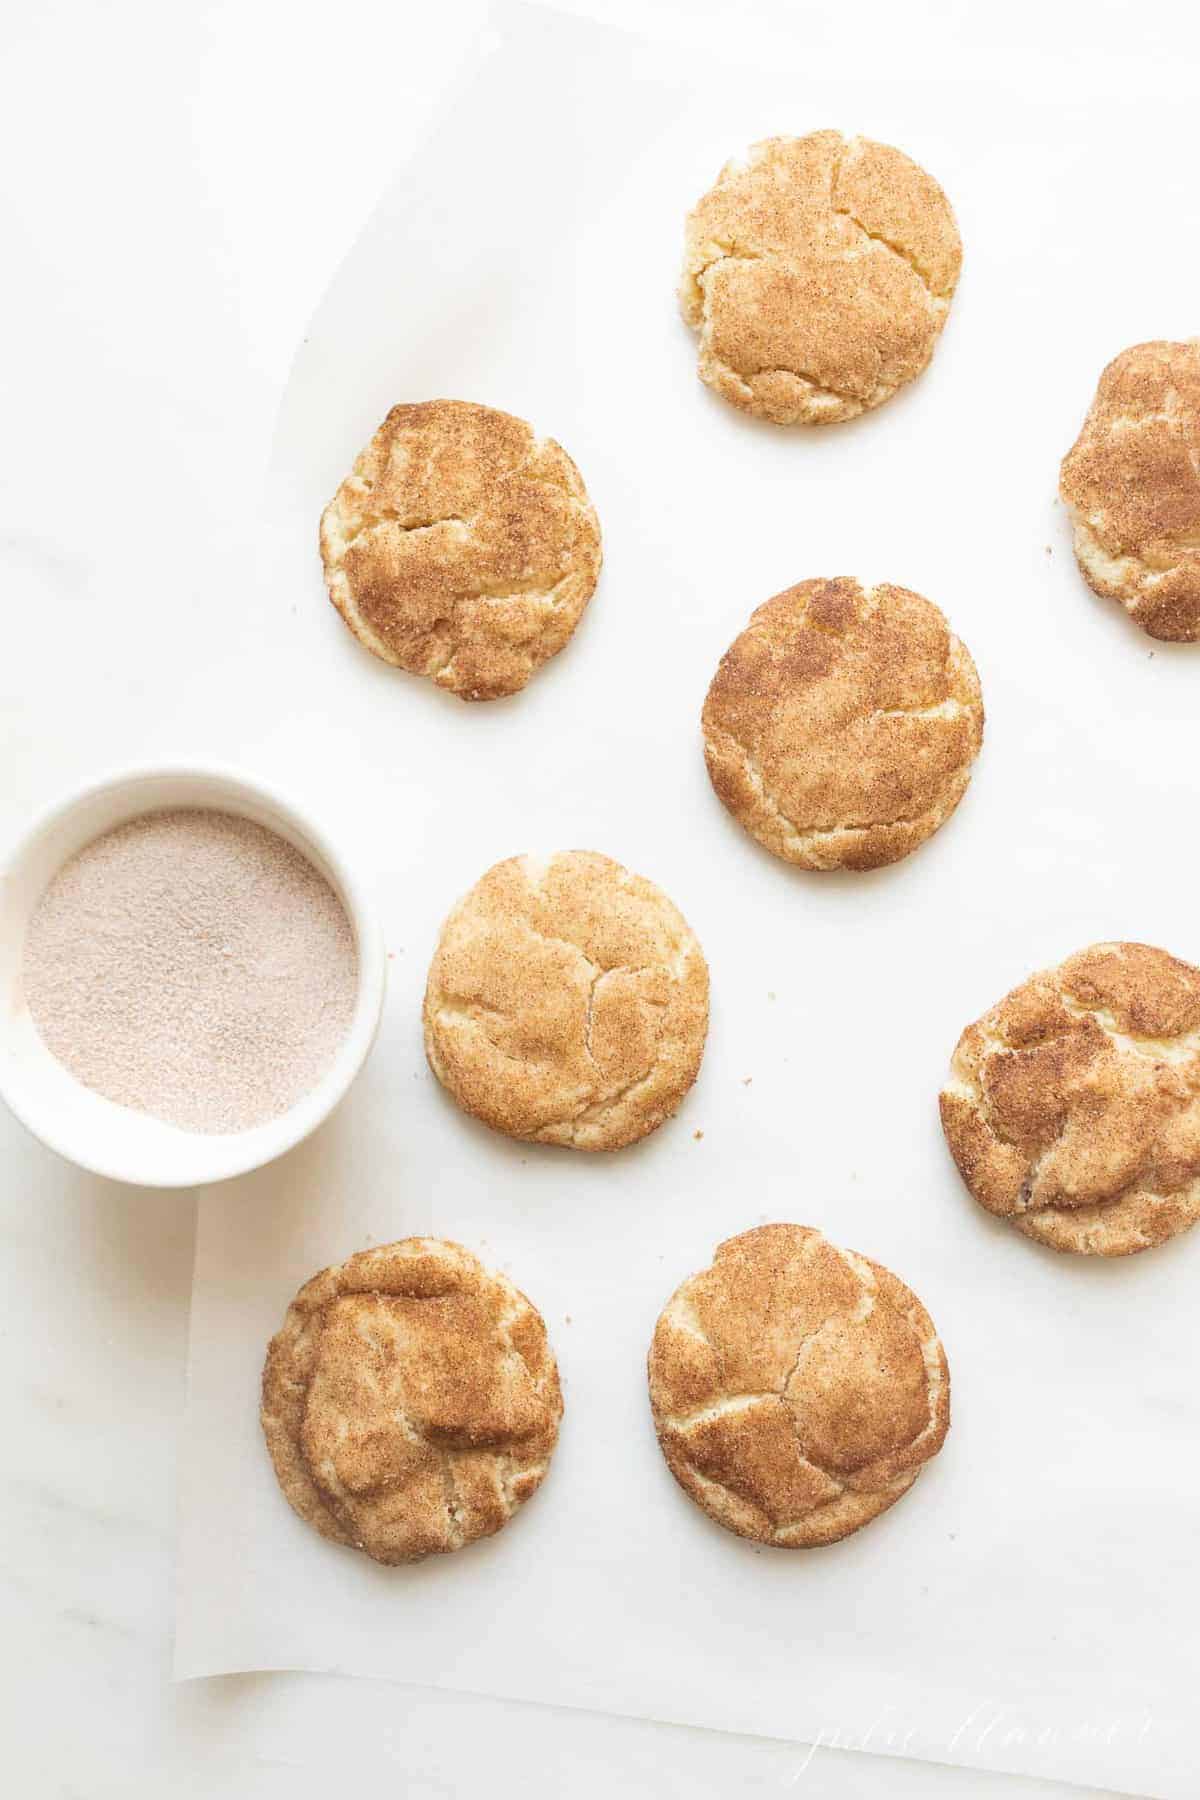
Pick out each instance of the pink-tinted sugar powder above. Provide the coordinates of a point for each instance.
(195, 966)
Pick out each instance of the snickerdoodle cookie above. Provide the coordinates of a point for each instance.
(1073, 1106)
(841, 726)
(462, 546)
(797, 1388)
(818, 271)
(567, 1002)
(410, 1401)
(1132, 483)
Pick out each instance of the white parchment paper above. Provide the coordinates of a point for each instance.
(1032, 1604)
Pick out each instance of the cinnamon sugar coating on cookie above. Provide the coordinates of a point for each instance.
(798, 1389)
(567, 1002)
(411, 1401)
(1073, 1106)
(1132, 484)
(841, 726)
(462, 547)
(818, 273)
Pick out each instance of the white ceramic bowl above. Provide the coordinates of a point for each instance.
(97, 1133)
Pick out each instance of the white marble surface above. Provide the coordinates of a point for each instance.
(180, 182)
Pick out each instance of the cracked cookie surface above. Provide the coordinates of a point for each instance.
(462, 547)
(798, 1389)
(567, 1002)
(1131, 482)
(818, 272)
(841, 726)
(1073, 1107)
(411, 1400)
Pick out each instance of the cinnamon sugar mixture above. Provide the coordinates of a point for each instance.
(195, 966)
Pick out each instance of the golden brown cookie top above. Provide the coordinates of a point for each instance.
(818, 272)
(797, 1388)
(462, 547)
(567, 1002)
(841, 726)
(1132, 483)
(410, 1401)
(1073, 1106)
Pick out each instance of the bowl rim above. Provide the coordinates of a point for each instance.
(266, 1142)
